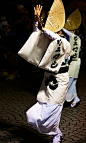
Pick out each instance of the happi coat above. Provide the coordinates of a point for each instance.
(45, 115)
(74, 66)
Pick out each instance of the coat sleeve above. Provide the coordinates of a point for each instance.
(35, 26)
(67, 32)
(50, 34)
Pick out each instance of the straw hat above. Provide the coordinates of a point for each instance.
(56, 17)
(73, 21)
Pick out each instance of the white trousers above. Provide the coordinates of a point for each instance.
(45, 118)
(71, 93)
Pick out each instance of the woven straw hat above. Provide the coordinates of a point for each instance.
(56, 17)
(73, 21)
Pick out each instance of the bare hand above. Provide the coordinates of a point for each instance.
(37, 12)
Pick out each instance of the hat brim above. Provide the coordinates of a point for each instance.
(56, 17)
(74, 20)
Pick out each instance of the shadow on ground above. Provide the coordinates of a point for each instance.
(19, 132)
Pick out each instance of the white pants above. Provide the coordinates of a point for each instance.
(45, 118)
(71, 93)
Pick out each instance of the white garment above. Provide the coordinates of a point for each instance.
(54, 88)
(75, 43)
(75, 101)
(46, 113)
(74, 68)
(67, 32)
(71, 93)
(38, 50)
(45, 118)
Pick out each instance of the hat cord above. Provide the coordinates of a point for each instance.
(49, 21)
(69, 22)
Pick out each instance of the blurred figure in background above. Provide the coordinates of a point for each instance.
(72, 24)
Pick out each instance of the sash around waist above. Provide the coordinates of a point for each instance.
(61, 70)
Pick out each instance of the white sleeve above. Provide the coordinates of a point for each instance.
(50, 34)
(67, 32)
(35, 24)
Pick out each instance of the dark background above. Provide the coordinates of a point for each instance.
(21, 26)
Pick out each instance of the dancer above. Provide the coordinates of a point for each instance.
(45, 115)
(72, 24)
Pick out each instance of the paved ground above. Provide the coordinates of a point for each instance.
(16, 96)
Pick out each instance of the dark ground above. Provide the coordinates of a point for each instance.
(16, 96)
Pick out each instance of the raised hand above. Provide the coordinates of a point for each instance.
(37, 12)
